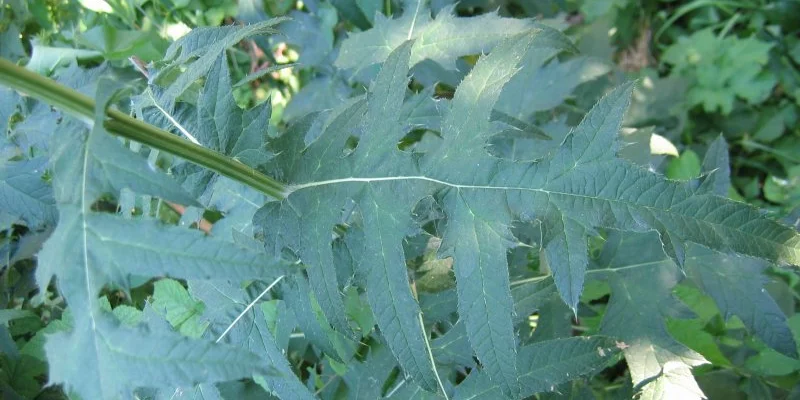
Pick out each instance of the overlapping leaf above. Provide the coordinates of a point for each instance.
(642, 277)
(737, 286)
(539, 86)
(90, 250)
(344, 166)
(217, 122)
(442, 39)
(545, 365)
(365, 380)
(580, 186)
(201, 48)
(225, 303)
(24, 194)
(736, 283)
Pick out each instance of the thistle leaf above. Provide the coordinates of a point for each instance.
(348, 159)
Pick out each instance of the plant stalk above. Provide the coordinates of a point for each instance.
(121, 124)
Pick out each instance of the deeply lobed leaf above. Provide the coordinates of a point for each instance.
(642, 278)
(579, 187)
(346, 173)
(441, 39)
(90, 250)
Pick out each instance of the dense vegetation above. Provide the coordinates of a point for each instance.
(403, 199)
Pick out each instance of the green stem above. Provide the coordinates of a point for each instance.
(729, 25)
(121, 124)
(680, 12)
(758, 146)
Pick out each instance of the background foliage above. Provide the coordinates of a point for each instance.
(716, 105)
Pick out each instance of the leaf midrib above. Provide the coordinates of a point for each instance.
(294, 188)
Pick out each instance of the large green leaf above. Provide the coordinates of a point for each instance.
(501, 198)
(580, 186)
(90, 250)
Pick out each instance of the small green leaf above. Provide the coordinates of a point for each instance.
(180, 309)
(21, 376)
(358, 310)
(529, 297)
(453, 347)
(685, 167)
(366, 379)
(721, 69)
(691, 333)
(283, 382)
(127, 315)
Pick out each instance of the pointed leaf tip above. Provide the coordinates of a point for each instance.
(599, 129)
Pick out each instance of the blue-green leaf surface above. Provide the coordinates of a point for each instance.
(24, 194)
(90, 250)
(442, 39)
(539, 86)
(348, 159)
(361, 195)
(224, 302)
(642, 278)
(201, 47)
(545, 365)
(102, 359)
(736, 284)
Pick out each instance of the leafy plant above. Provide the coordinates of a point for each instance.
(717, 67)
(301, 286)
(723, 69)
